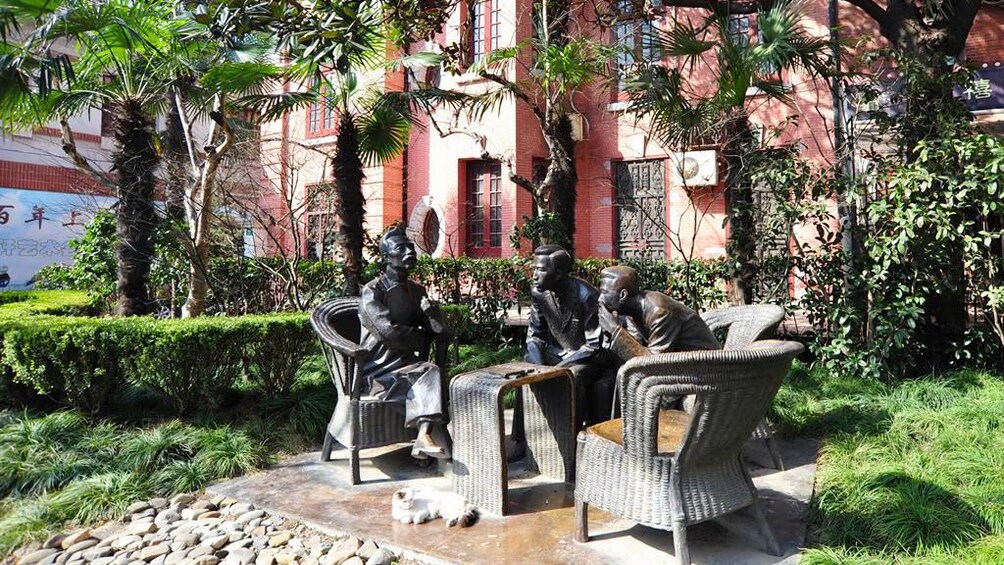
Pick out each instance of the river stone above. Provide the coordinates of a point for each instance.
(216, 542)
(266, 557)
(148, 513)
(279, 539)
(203, 504)
(103, 561)
(123, 542)
(190, 513)
(354, 560)
(239, 508)
(54, 541)
(345, 549)
(75, 538)
(241, 556)
(158, 503)
(166, 517)
(142, 528)
(285, 557)
(210, 515)
(81, 545)
(199, 551)
(175, 557)
(50, 560)
(246, 517)
(189, 539)
(137, 507)
(244, 543)
(98, 552)
(206, 560)
(183, 498)
(154, 551)
(159, 560)
(37, 555)
(367, 550)
(380, 557)
(108, 530)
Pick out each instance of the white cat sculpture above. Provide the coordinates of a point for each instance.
(414, 506)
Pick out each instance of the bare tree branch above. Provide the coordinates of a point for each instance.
(81, 162)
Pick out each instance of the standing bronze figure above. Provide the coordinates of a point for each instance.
(398, 321)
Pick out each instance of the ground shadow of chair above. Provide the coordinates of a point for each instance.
(668, 469)
(358, 421)
(744, 325)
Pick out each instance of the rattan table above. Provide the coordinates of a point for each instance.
(480, 469)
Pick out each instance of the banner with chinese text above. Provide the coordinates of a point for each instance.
(36, 228)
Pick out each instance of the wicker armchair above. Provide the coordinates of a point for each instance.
(746, 324)
(358, 421)
(668, 469)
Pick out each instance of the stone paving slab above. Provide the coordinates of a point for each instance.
(539, 531)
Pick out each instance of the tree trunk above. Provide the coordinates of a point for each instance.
(135, 160)
(741, 243)
(348, 173)
(561, 178)
(177, 178)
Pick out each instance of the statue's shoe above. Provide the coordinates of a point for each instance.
(425, 446)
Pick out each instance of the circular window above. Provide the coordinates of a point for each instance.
(430, 232)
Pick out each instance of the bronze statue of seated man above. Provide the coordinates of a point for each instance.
(398, 320)
(564, 329)
(641, 322)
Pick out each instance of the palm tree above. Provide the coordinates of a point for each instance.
(681, 114)
(561, 66)
(121, 64)
(333, 50)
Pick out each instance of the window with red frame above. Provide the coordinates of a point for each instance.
(486, 17)
(484, 207)
(635, 33)
(321, 113)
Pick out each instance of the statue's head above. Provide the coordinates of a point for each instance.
(617, 284)
(397, 250)
(551, 264)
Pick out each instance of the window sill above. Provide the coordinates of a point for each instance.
(312, 139)
(622, 105)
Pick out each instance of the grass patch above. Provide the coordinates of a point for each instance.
(911, 473)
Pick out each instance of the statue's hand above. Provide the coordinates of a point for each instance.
(608, 320)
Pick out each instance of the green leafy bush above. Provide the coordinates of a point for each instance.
(83, 362)
(275, 349)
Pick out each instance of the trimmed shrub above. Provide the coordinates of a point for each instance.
(82, 362)
(76, 361)
(276, 348)
(189, 363)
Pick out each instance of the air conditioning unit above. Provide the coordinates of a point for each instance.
(695, 168)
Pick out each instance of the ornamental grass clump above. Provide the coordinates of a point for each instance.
(927, 489)
(61, 468)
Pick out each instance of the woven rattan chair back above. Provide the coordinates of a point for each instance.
(358, 421)
(745, 324)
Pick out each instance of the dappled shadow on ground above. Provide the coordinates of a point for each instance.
(904, 513)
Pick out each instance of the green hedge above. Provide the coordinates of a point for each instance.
(83, 361)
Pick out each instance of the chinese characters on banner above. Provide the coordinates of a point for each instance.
(36, 228)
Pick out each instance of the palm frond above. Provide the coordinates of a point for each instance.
(383, 133)
(273, 106)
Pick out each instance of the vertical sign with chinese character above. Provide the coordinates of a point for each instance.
(985, 92)
(36, 228)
